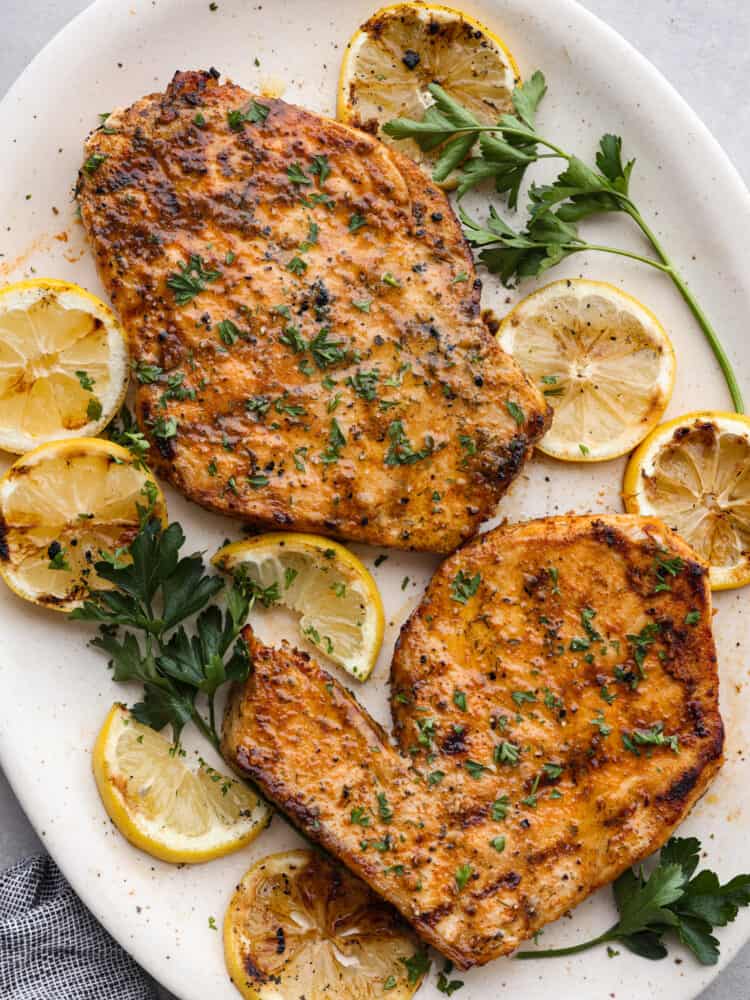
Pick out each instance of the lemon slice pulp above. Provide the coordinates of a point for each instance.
(694, 473)
(400, 50)
(602, 360)
(338, 601)
(63, 363)
(300, 926)
(61, 506)
(163, 806)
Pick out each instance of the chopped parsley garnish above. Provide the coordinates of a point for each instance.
(506, 753)
(520, 697)
(320, 167)
(601, 723)
(664, 568)
(56, 555)
(93, 163)
(475, 769)
(254, 112)
(516, 412)
(147, 374)
(464, 586)
(463, 874)
(94, 409)
(297, 265)
(291, 337)
(654, 736)
(190, 280)
(300, 454)
(384, 809)
(165, 427)
(257, 404)
(363, 305)
(326, 352)
(356, 222)
(416, 966)
(425, 732)
(365, 384)
(445, 985)
(336, 441)
(400, 451)
(498, 843)
(228, 332)
(435, 777)
(258, 481)
(641, 642)
(86, 381)
(499, 808)
(459, 699)
(692, 617)
(297, 175)
(388, 279)
(359, 816)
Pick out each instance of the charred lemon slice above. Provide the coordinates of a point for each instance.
(338, 601)
(602, 360)
(63, 363)
(61, 507)
(163, 806)
(300, 926)
(694, 473)
(394, 56)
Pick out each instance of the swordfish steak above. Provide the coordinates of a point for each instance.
(304, 315)
(556, 705)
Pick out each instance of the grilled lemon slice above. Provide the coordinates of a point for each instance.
(61, 506)
(601, 359)
(300, 926)
(163, 806)
(392, 58)
(694, 473)
(338, 601)
(63, 363)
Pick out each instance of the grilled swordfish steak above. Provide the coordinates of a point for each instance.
(304, 314)
(556, 705)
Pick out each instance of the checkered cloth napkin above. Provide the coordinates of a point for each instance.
(52, 948)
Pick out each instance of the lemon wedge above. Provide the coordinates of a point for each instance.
(63, 363)
(164, 807)
(602, 360)
(338, 601)
(400, 50)
(61, 506)
(300, 926)
(694, 473)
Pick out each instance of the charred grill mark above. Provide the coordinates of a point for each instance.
(510, 880)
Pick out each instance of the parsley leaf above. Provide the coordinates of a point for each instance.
(190, 280)
(153, 592)
(672, 899)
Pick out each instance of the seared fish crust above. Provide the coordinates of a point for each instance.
(304, 314)
(556, 707)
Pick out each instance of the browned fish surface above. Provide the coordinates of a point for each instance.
(556, 705)
(304, 313)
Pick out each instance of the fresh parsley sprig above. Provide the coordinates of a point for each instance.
(503, 153)
(143, 628)
(672, 898)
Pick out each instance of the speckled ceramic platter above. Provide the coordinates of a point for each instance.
(54, 692)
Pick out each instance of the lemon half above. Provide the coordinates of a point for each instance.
(300, 926)
(602, 360)
(63, 363)
(401, 49)
(338, 601)
(694, 473)
(61, 506)
(163, 806)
